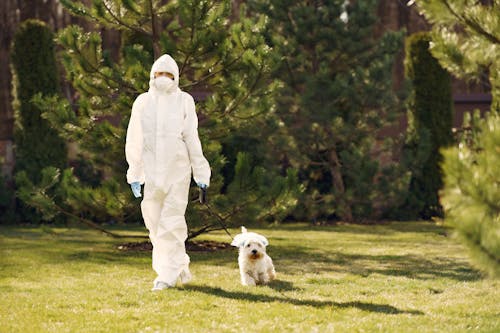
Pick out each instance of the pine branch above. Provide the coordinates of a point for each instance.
(107, 78)
(206, 228)
(247, 95)
(83, 220)
(96, 226)
(123, 23)
(206, 77)
(472, 24)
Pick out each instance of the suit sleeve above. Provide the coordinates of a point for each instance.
(133, 144)
(199, 164)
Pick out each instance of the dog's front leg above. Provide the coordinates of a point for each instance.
(263, 278)
(271, 273)
(247, 279)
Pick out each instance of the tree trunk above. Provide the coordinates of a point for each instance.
(345, 212)
(155, 31)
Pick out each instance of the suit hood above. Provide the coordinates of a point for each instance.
(165, 63)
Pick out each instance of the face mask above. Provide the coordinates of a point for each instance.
(164, 83)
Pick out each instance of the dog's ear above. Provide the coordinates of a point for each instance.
(263, 240)
(238, 240)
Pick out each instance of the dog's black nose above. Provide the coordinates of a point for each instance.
(254, 251)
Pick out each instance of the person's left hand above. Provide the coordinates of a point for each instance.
(136, 189)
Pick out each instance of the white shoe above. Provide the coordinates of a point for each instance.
(185, 277)
(159, 285)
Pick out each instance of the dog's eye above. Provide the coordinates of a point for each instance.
(248, 245)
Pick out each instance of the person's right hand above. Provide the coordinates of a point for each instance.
(136, 189)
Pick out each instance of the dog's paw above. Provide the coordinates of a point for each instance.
(248, 281)
(248, 284)
(272, 274)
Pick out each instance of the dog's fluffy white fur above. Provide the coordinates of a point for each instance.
(256, 267)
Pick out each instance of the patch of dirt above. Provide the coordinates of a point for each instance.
(192, 246)
(142, 246)
(207, 246)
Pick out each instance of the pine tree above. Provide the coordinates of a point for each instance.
(466, 38)
(430, 119)
(220, 55)
(337, 93)
(471, 196)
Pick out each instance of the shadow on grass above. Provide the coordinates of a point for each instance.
(297, 260)
(251, 297)
(412, 266)
(280, 286)
(408, 265)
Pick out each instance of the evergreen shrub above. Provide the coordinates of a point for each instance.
(430, 121)
(37, 145)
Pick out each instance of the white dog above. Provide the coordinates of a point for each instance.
(256, 267)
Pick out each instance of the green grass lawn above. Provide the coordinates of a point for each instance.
(398, 277)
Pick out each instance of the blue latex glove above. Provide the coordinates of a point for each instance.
(136, 189)
(201, 185)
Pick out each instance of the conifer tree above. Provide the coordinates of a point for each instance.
(466, 38)
(337, 93)
(221, 55)
(471, 196)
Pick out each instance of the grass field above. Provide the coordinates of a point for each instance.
(398, 277)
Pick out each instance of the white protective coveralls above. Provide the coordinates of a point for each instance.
(162, 148)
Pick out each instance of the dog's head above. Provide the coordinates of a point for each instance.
(250, 244)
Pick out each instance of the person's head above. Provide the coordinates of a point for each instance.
(164, 76)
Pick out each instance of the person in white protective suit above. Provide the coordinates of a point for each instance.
(162, 148)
